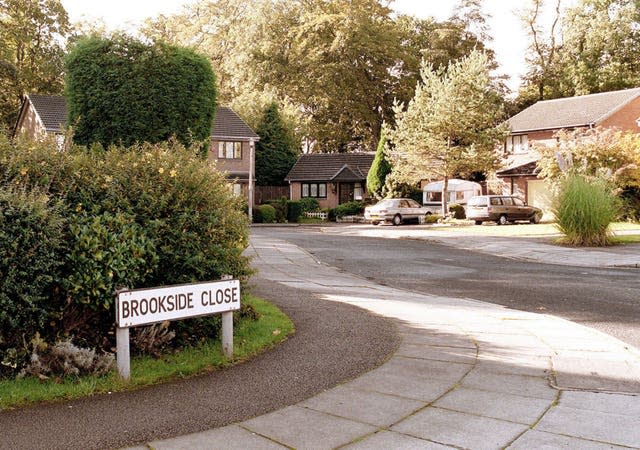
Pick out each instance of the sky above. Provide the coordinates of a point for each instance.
(509, 37)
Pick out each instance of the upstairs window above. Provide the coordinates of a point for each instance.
(517, 144)
(229, 150)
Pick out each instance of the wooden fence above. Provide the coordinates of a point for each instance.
(266, 193)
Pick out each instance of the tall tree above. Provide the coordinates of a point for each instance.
(32, 42)
(451, 126)
(380, 168)
(275, 151)
(123, 91)
(601, 44)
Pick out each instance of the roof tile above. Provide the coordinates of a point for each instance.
(331, 167)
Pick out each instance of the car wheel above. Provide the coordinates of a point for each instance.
(375, 222)
(397, 220)
(502, 220)
(478, 222)
(535, 219)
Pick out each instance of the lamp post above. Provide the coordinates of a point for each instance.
(252, 159)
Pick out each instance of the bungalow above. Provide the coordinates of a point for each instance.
(232, 140)
(331, 178)
(538, 124)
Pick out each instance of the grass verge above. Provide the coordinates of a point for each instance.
(250, 338)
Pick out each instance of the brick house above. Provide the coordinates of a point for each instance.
(538, 124)
(232, 140)
(330, 178)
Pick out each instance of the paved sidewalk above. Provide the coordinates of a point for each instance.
(467, 375)
(523, 248)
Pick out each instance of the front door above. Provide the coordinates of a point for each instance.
(346, 192)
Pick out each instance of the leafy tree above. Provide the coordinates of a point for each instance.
(333, 67)
(275, 151)
(450, 127)
(32, 40)
(380, 168)
(123, 91)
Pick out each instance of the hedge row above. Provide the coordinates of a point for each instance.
(76, 225)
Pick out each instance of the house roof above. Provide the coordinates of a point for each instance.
(584, 110)
(331, 167)
(52, 110)
(227, 124)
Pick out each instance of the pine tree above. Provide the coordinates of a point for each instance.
(275, 151)
(379, 170)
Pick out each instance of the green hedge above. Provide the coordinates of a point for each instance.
(349, 209)
(147, 215)
(264, 214)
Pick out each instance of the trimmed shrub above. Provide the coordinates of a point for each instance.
(349, 209)
(264, 214)
(309, 204)
(147, 215)
(31, 254)
(294, 210)
(584, 209)
(280, 206)
(432, 218)
(457, 211)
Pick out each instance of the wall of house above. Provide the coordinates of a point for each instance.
(331, 201)
(29, 124)
(231, 165)
(625, 118)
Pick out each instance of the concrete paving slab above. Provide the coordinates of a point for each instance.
(547, 441)
(460, 429)
(536, 367)
(363, 406)
(399, 384)
(597, 372)
(425, 368)
(231, 437)
(395, 441)
(609, 403)
(437, 353)
(439, 339)
(498, 405)
(598, 426)
(303, 428)
(528, 386)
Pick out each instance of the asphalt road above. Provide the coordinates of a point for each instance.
(333, 342)
(604, 299)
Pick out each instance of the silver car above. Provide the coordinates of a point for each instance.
(395, 210)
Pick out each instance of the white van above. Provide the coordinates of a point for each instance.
(458, 191)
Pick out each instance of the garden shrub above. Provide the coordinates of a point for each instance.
(309, 204)
(584, 209)
(31, 253)
(264, 214)
(280, 206)
(349, 209)
(457, 211)
(147, 215)
(432, 218)
(294, 210)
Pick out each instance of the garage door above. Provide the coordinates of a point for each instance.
(539, 194)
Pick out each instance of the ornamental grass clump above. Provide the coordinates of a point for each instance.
(584, 208)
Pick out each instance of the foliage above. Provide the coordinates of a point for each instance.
(107, 251)
(584, 209)
(432, 218)
(141, 216)
(590, 47)
(450, 127)
(281, 206)
(264, 214)
(380, 168)
(335, 66)
(122, 91)
(294, 210)
(349, 209)
(458, 211)
(597, 152)
(309, 204)
(275, 151)
(64, 359)
(33, 34)
(31, 250)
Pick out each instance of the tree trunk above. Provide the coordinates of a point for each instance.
(445, 188)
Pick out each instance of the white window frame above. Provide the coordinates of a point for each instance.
(229, 150)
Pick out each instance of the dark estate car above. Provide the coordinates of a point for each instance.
(501, 209)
